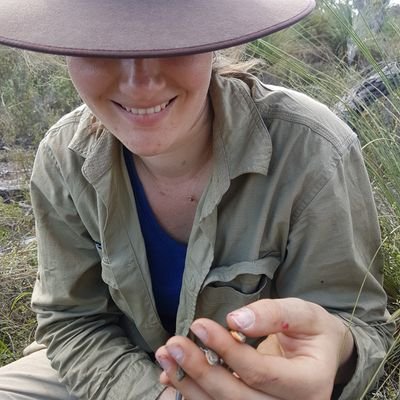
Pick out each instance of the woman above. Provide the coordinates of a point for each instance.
(177, 202)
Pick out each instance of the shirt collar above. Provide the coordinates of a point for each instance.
(241, 141)
(97, 145)
(240, 134)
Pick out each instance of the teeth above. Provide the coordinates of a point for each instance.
(150, 110)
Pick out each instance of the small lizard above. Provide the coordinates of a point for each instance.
(211, 356)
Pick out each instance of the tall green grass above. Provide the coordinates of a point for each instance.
(17, 273)
(312, 58)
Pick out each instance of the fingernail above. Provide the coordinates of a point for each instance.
(164, 363)
(244, 318)
(199, 330)
(176, 352)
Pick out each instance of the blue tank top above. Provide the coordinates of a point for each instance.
(165, 255)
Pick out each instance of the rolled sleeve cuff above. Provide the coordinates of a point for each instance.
(369, 367)
(147, 387)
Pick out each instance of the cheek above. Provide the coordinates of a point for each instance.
(78, 73)
(195, 73)
(89, 81)
(201, 72)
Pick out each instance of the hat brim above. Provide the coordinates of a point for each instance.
(142, 28)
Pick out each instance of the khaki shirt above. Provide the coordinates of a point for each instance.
(288, 211)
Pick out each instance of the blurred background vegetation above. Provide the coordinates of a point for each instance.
(346, 54)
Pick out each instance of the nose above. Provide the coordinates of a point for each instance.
(142, 71)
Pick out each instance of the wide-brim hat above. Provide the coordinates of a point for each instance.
(142, 28)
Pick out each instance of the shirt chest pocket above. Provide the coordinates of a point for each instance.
(227, 288)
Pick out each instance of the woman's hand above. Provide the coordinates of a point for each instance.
(306, 349)
(168, 394)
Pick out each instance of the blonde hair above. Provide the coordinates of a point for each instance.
(235, 61)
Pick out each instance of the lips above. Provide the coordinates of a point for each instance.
(148, 110)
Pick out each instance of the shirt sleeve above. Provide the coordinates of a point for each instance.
(333, 260)
(77, 319)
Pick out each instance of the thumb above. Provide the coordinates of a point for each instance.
(291, 316)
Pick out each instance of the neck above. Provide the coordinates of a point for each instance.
(187, 161)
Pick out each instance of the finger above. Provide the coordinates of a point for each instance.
(270, 374)
(164, 380)
(215, 380)
(169, 376)
(290, 316)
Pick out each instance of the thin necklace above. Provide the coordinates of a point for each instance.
(197, 177)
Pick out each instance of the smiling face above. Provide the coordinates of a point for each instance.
(153, 106)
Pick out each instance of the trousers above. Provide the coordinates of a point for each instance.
(32, 378)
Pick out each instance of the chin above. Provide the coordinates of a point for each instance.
(145, 151)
